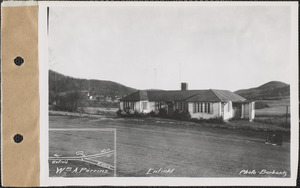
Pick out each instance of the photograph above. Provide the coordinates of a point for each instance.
(169, 90)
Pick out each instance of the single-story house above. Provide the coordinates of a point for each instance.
(201, 104)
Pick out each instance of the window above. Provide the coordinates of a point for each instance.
(206, 107)
(180, 105)
(158, 105)
(198, 107)
(203, 108)
(229, 106)
(144, 105)
(128, 105)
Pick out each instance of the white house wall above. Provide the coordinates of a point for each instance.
(215, 111)
(227, 111)
(242, 110)
(248, 111)
(122, 105)
(141, 107)
(151, 106)
(137, 106)
(252, 111)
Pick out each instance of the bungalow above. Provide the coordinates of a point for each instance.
(205, 104)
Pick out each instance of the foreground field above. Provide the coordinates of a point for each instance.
(147, 147)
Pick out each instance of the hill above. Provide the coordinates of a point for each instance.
(270, 90)
(59, 83)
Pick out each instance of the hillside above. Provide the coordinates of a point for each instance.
(59, 83)
(270, 90)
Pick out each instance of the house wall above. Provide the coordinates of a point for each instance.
(227, 110)
(137, 106)
(179, 104)
(122, 105)
(242, 109)
(215, 107)
(252, 111)
(147, 110)
(151, 106)
(248, 111)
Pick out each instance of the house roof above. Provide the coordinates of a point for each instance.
(225, 96)
(140, 95)
(187, 95)
(205, 96)
(175, 95)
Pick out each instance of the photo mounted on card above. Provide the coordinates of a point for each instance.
(168, 93)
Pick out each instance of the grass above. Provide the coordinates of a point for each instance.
(272, 111)
(275, 113)
(100, 111)
(191, 149)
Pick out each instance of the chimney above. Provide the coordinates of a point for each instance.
(184, 86)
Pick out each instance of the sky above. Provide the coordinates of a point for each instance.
(158, 47)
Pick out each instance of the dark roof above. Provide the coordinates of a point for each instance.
(187, 95)
(140, 95)
(205, 96)
(176, 95)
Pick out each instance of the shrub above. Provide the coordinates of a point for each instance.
(162, 112)
(218, 120)
(181, 115)
(80, 109)
(68, 102)
(215, 120)
(186, 116)
(119, 113)
(129, 112)
(123, 113)
(136, 113)
(152, 114)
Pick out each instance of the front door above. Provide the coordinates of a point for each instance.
(237, 110)
(170, 108)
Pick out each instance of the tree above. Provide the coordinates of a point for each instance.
(69, 101)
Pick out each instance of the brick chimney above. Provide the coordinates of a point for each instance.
(184, 86)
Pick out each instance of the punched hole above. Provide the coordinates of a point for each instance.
(19, 61)
(18, 138)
